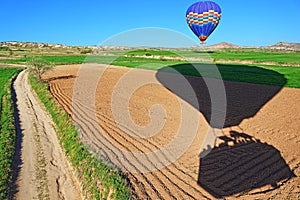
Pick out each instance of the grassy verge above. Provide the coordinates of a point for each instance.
(5, 76)
(7, 132)
(99, 181)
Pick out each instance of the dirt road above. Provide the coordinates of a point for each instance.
(44, 171)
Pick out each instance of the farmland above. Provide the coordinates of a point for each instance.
(181, 179)
(262, 109)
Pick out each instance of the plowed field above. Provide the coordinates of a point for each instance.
(256, 156)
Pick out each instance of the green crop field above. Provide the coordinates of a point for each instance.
(7, 131)
(149, 52)
(259, 74)
(255, 55)
(253, 73)
(281, 57)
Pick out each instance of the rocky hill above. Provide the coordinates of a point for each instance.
(285, 46)
(223, 45)
(32, 45)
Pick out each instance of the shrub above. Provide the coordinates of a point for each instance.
(38, 66)
(86, 51)
(4, 49)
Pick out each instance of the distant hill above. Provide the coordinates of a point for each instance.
(13, 45)
(223, 45)
(32, 45)
(285, 46)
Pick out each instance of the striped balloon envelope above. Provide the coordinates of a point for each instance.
(203, 18)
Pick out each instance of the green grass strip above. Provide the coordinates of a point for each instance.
(99, 181)
(7, 132)
(5, 75)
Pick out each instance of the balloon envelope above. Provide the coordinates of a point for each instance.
(203, 18)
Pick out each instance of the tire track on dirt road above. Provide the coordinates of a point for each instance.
(44, 173)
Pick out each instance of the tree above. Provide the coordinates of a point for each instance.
(38, 66)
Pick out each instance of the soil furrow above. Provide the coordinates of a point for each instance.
(167, 179)
(263, 112)
(56, 91)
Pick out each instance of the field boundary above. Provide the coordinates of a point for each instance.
(11, 66)
(97, 180)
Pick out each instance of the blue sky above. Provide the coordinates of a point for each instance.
(255, 22)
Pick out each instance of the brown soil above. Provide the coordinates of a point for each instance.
(44, 172)
(256, 157)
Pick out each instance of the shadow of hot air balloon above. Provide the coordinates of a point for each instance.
(246, 163)
(244, 166)
(245, 95)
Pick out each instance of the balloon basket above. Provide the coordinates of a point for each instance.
(202, 45)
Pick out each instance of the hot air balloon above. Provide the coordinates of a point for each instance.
(203, 18)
